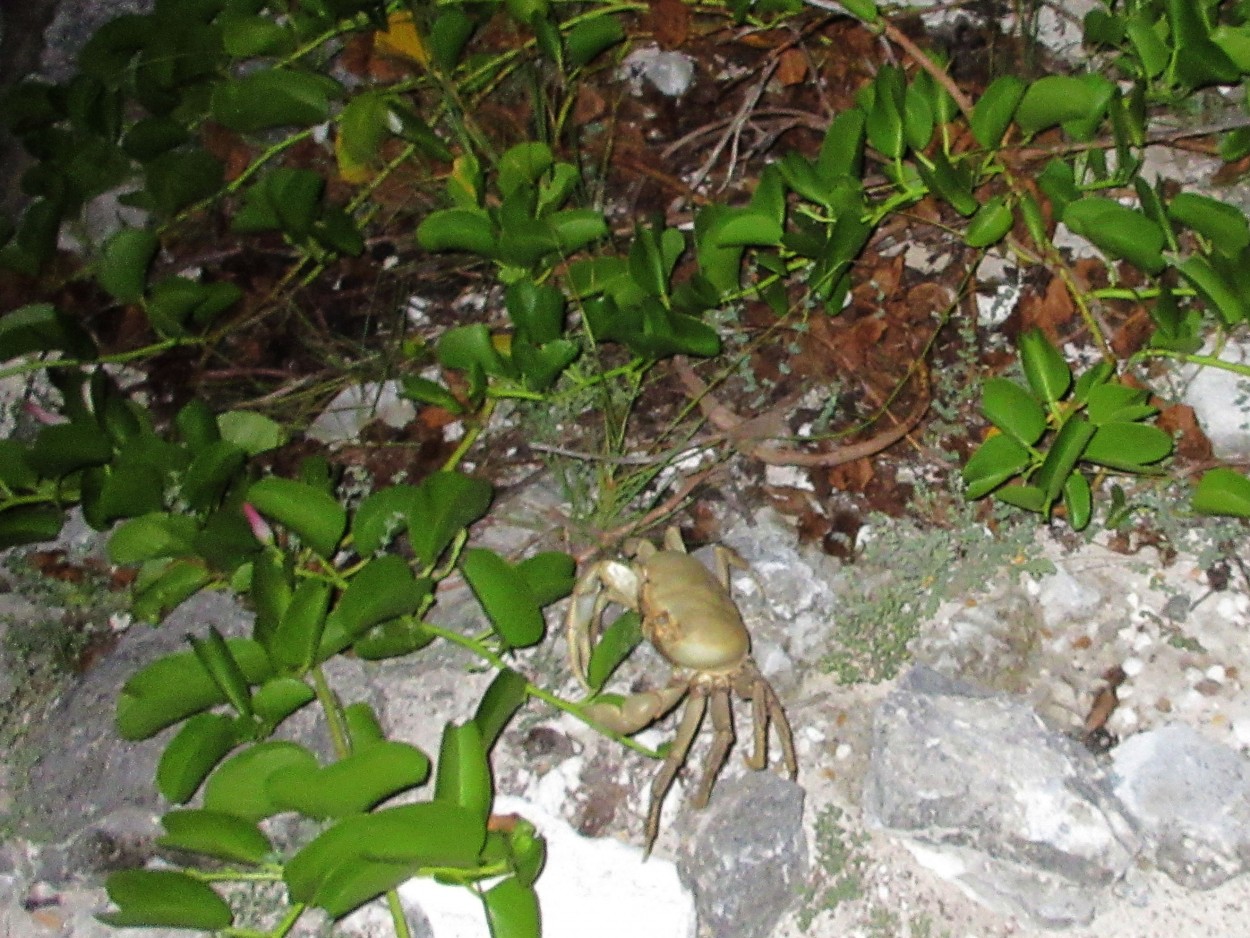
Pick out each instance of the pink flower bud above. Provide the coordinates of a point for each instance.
(260, 527)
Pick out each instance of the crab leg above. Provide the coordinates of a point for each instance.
(722, 739)
(690, 719)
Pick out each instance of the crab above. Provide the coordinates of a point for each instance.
(689, 616)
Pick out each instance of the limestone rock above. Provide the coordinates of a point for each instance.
(1019, 816)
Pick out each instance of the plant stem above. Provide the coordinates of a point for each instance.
(1209, 361)
(533, 690)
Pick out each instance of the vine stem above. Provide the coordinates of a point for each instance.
(1209, 361)
(533, 690)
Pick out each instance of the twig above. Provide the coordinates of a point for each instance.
(749, 443)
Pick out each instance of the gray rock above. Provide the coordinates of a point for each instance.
(1021, 817)
(1191, 798)
(83, 771)
(748, 857)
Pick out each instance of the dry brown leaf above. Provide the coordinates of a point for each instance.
(791, 67)
(589, 106)
(1191, 442)
(1048, 312)
(853, 476)
(669, 21)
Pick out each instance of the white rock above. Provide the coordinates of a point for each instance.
(669, 72)
(598, 886)
(1221, 402)
(356, 406)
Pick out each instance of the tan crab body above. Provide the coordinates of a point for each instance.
(691, 619)
(689, 616)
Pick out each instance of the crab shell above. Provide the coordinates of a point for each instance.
(688, 615)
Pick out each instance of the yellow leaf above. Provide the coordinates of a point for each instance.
(402, 39)
(349, 169)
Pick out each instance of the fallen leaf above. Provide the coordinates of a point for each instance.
(402, 40)
(1048, 312)
(1191, 442)
(791, 67)
(669, 21)
(853, 476)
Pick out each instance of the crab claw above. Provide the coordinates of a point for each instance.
(627, 715)
(604, 583)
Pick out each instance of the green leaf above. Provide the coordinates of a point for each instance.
(175, 302)
(1151, 50)
(152, 536)
(1224, 225)
(165, 899)
(214, 468)
(174, 687)
(1223, 491)
(1110, 403)
(362, 127)
(1013, 410)
(994, 110)
(245, 37)
(316, 517)
(1128, 446)
(1078, 501)
(1217, 293)
(502, 699)
(218, 660)
(29, 524)
(536, 311)
(384, 588)
(573, 229)
(63, 448)
(1091, 380)
(407, 124)
(523, 164)
(351, 785)
(41, 327)
(550, 575)
(885, 117)
(952, 183)
(614, 645)
(1065, 452)
(1044, 366)
(274, 97)
(512, 910)
(363, 856)
(177, 582)
(363, 727)
(1200, 63)
(252, 432)
(587, 39)
(1234, 42)
(240, 784)
(180, 178)
(1058, 99)
(216, 834)
(506, 597)
(464, 777)
(279, 697)
(448, 502)
(1028, 497)
(295, 641)
(918, 120)
(1120, 232)
(202, 742)
(124, 261)
(864, 10)
(990, 224)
